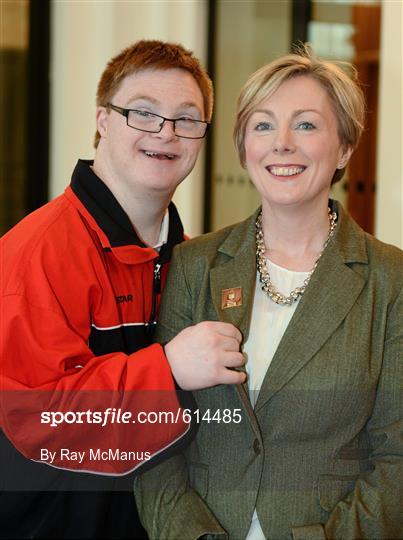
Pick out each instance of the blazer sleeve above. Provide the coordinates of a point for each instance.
(374, 508)
(168, 507)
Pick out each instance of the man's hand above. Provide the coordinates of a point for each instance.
(200, 356)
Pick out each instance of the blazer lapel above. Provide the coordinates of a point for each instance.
(238, 272)
(332, 291)
(239, 275)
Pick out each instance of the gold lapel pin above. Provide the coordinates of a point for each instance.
(231, 297)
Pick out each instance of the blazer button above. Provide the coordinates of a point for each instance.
(256, 446)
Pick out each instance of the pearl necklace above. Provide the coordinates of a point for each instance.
(261, 264)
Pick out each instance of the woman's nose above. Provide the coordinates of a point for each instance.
(283, 142)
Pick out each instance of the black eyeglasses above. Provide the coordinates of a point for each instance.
(153, 123)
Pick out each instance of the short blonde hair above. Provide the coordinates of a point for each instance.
(343, 90)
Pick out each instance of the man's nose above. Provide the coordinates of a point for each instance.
(167, 130)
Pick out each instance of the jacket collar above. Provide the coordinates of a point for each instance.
(240, 238)
(348, 241)
(109, 220)
(334, 287)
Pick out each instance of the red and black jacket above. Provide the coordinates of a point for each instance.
(80, 294)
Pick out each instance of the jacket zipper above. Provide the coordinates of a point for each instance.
(156, 291)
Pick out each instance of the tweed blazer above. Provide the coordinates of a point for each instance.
(321, 454)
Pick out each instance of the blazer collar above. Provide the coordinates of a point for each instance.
(348, 241)
(334, 287)
(240, 237)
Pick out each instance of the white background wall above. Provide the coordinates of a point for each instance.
(86, 34)
(389, 195)
(251, 34)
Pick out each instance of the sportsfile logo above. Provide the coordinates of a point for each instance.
(109, 415)
(113, 415)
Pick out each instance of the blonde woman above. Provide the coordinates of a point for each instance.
(318, 450)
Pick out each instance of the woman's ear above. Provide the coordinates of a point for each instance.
(102, 120)
(344, 158)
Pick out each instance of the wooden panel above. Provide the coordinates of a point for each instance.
(13, 74)
(362, 169)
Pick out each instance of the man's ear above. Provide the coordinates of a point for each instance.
(344, 157)
(102, 117)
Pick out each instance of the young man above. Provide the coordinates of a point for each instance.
(82, 385)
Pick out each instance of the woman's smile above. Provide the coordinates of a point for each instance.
(292, 145)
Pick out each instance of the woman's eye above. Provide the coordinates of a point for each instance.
(263, 126)
(305, 126)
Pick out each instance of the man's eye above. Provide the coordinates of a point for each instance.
(263, 126)
(186, 119)
(305, 126)
(142, 114)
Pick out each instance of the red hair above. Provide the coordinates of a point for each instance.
(155, 55)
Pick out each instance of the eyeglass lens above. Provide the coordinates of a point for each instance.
(151, 122)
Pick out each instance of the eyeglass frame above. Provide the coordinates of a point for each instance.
(125, 112)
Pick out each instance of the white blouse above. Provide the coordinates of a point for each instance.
(268, 324)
